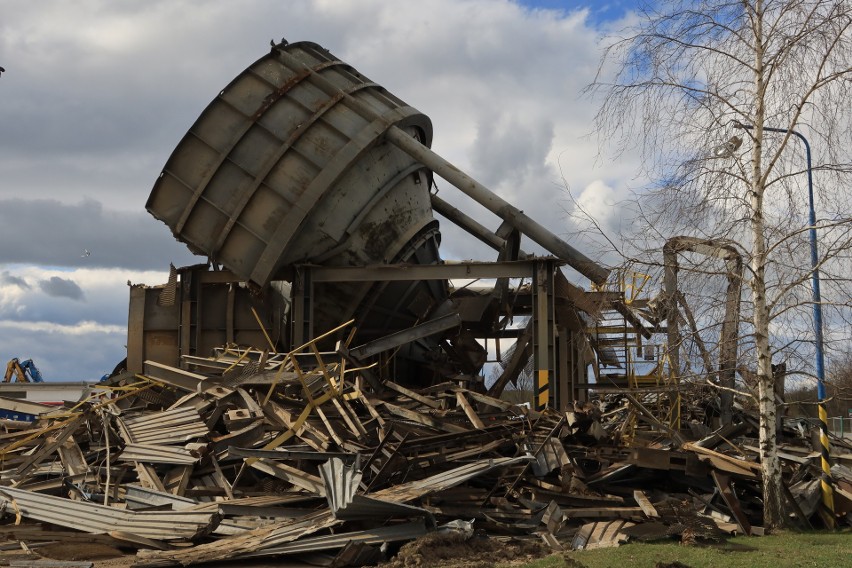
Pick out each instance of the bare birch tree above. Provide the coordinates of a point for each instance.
(677, 85)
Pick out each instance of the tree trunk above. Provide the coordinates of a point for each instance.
(773, 515)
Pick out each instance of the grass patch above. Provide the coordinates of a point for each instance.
(787, 549)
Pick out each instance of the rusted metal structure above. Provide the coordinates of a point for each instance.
(304, 171)
(729, 334)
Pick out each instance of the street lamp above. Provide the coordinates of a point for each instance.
(820, 359)
(828, 498)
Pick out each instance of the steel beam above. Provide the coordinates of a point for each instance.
(394, 340)
(497, 205)
(398, 272)
(544, 337)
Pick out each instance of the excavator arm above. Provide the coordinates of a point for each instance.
(24, 372)
(13, 369)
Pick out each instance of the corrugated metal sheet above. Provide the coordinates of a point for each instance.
(151, 453)
(138, 497)
(393, 533)
(341, 488)
(446, 479)
(167, 427)
(551, 457)
(97, 519)
(247, 510)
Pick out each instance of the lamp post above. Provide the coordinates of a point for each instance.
(827, 492)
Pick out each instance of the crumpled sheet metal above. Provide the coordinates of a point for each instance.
(98, 519)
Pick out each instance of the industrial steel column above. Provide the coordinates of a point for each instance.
(544, 336)
(564, 360)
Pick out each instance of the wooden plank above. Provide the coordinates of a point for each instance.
(332, 432)
(645, 504)
(220, 477)
(48, 563)
(426, 401)
(247, 542)
(469, 411)
(423, 419)
(148, 476)
(347, 418)
(603, 513)
(297, 477)
(72, 457)
(176, 480)
(372, 410)
(50, 445)
(489, 400)
(354, 415)
(726, 463)
(723, 482)
(550, 541)
(306, 432)
(600, 535)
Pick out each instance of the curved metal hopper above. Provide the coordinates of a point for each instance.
(289, 165)
(280, 169)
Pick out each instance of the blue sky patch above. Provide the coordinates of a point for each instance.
(599, 12)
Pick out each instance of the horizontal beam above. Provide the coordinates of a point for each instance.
(406, 272)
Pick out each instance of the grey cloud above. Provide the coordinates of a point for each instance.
(61, 288)
(509, 149)
(64, 232)
(108, 306)
(59, 358)
(7, 278)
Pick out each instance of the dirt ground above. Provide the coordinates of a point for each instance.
(453, 551)
(433, 550)
(101, 555)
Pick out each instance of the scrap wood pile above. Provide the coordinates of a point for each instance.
(303, 456)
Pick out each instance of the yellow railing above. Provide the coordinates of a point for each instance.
(632, 284)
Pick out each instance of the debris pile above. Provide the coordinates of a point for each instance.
(302, 456)
(312, 187)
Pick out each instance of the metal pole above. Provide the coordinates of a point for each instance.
(497, 205)
(825, 481)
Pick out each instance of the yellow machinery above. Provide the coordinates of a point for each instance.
(23, 371)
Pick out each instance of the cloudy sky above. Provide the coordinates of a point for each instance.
(97, 93)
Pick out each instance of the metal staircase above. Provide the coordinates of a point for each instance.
(628, 357)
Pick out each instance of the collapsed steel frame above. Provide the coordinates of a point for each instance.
(726, 251)
(215, 308)
(308, 187)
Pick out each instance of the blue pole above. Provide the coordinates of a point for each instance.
(820, 360)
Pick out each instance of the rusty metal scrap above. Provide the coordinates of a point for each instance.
(313, 460)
